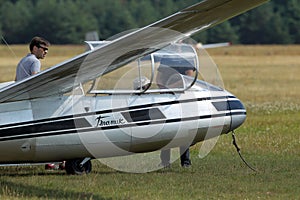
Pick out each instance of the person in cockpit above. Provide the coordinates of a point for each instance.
(170, 72)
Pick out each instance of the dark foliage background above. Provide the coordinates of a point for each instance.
(67, 21)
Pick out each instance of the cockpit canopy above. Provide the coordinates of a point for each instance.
(175, 68)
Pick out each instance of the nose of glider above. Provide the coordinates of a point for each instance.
(238, 113)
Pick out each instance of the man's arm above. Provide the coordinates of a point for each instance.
(35, 67)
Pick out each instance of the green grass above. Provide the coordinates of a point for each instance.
(269, 141)
(260, 76)
(221, 175)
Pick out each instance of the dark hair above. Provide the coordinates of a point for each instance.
(37, 41)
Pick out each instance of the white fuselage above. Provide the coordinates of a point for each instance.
(75, 126)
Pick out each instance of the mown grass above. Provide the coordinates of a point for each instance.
(266, 79)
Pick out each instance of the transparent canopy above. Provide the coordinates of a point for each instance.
(175, 68)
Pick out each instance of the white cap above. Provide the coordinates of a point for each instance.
(140, 82)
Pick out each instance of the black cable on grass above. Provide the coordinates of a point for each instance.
(239, 152)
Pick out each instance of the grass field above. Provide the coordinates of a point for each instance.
(265, 78)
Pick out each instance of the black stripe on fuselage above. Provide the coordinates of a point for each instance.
(27, 135)
(46, 127)
(114, 110)
(73, 123)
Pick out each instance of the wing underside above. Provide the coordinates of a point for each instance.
(63, 77)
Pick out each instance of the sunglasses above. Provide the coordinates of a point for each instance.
(44, 48)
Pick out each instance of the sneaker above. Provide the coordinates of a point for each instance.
(186, 165)
(62, 165)
(50, 166)
(165, 165)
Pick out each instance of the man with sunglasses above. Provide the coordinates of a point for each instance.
(30, 64)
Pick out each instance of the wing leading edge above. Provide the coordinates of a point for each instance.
(87, 66)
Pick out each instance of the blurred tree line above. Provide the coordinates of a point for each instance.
(67, 21)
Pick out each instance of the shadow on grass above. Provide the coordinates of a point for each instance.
(23, 171)
(11, 189)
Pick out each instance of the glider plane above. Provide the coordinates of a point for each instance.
(109, 102)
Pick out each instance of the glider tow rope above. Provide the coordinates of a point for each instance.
(239, 152)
